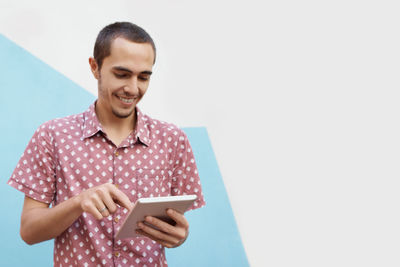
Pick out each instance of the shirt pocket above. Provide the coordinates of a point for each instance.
(153, 183)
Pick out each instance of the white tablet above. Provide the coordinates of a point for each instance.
(153, 206)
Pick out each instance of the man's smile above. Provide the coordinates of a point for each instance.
(126, 100)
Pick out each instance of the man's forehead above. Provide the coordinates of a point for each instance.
(121, 44)
(130, 56)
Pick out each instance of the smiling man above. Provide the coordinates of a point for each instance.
(80, 174)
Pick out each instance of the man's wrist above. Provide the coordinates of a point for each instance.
(76, 203)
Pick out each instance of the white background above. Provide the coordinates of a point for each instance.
(300, 98)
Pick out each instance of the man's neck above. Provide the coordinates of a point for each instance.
(117, 129)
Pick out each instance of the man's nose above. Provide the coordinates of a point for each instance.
(132, 87)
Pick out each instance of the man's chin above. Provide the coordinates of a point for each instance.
(122, 115)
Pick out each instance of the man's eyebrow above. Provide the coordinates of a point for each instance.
(147, 72)
(119, 68)
(122, 69)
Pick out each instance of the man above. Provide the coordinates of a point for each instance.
(81, 174)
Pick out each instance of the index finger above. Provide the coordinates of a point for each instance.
(120, 197)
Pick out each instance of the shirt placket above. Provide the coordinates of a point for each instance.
(117, 157)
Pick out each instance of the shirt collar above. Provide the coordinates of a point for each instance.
(92, 126)
(142, 128)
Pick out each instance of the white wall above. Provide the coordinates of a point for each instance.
(300, 98)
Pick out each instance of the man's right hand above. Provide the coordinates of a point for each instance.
(102, 200)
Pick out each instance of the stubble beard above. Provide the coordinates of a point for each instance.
(120, 115)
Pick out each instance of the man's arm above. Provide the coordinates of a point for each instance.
(40, 223)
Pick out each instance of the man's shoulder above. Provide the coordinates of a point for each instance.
(163, 128)
(66, 123)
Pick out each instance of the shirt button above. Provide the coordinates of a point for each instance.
(116, 154)
(116, 219)
(116, 254)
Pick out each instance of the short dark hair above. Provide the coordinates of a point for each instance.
(127, 30)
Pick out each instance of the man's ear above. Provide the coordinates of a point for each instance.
(94, 68)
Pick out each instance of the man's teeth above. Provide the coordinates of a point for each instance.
(126, 100)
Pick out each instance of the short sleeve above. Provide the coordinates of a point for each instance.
(185, 178)
(34, 174)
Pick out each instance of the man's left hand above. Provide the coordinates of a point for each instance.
(168, 235)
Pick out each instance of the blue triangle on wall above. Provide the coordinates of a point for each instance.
(32, 93)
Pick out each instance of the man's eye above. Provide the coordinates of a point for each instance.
(120, 75)
(143, 78)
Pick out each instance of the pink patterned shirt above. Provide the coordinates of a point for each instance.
(68, 155)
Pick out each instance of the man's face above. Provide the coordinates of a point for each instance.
(124, 77)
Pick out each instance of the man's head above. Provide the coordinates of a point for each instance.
(124, 56)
